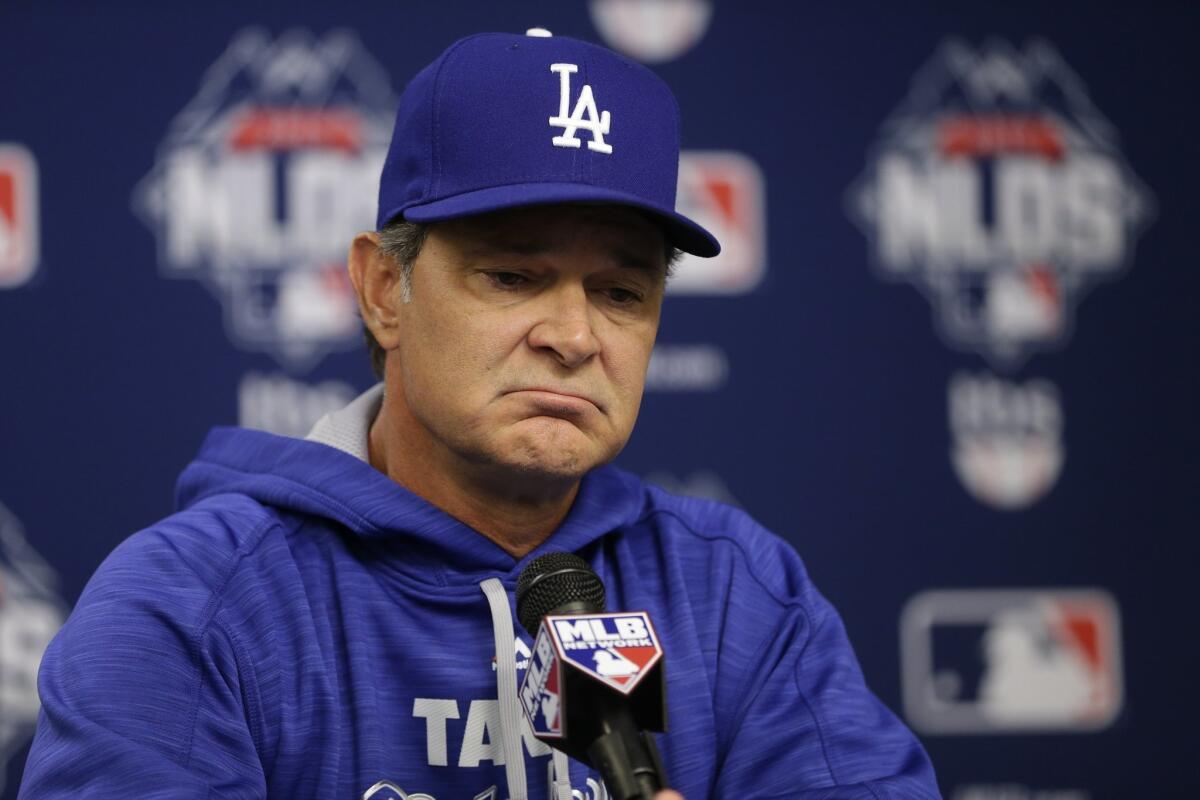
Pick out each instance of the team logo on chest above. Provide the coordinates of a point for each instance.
(596, 121)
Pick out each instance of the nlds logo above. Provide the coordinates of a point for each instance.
(998, 190)
(262, 181)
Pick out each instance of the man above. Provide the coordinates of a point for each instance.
(332, 617)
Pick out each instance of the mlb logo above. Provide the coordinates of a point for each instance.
(18, 216)
(723, 191)
(615, 649)
(1009, 661)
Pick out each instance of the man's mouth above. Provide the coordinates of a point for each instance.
(558, 402)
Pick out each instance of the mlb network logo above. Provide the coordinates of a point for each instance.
(1009, 661)
(619, 650)
(615, 649)
(18, 216)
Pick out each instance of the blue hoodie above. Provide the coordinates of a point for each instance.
(304, 627)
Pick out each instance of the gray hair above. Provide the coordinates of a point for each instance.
(402, 241)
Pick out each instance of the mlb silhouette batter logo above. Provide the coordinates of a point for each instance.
(18, 216)
(725, 191)
(612, 664)
(1011, 661)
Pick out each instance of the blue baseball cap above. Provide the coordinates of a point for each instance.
(504, 121)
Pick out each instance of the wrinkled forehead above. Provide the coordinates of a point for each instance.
(538, 229)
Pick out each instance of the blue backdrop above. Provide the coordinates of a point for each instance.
(950, 352)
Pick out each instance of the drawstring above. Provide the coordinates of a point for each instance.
(506, 688)
(512, 719)
(561, 785)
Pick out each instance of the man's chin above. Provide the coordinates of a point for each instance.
(553, 451)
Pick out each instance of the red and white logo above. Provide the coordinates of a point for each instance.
(724, 192)
(262, 181)
(1009, 661)
(998, 189)
(18, 216)
(652, 31)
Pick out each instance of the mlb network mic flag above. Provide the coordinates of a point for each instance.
(614, 652)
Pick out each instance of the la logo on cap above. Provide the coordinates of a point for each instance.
(596, 122)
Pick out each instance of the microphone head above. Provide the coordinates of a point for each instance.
(557, 583)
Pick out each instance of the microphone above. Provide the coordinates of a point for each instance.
(594, 685)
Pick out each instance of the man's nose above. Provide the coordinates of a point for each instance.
(565, 328)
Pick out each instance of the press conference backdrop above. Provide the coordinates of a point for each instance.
(949, 351)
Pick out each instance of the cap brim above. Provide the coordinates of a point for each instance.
(679, 230)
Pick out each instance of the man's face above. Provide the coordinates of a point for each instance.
(525, 345)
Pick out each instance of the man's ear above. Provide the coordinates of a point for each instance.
(376, 279)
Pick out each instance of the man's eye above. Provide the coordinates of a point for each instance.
(507, 280)
(622, 297)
